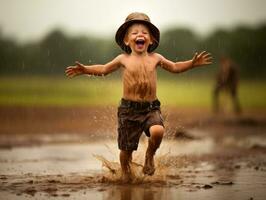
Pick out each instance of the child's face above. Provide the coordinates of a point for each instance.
(138, 38)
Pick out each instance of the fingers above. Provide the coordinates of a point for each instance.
(207, 58)
(204, 58)
(79, 64)
(70, 72)
(195, 57)
(208, 62)
(204, 54)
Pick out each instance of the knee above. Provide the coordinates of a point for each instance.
(157, 131)
(125, 155)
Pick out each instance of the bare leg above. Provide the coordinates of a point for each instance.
(125, 159)
(156, 132)
(235, 101)
(237, 107)
(216, 99)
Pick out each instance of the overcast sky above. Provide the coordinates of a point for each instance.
(31, 19)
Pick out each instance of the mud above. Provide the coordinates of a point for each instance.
(202, 156)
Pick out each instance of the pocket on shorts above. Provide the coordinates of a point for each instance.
(122, 112)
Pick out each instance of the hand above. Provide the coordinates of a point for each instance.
(204, 58)
(78, 69)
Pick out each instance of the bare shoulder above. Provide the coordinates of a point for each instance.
(123, 57)
(157, 57)
(160, 56)
(120, 57)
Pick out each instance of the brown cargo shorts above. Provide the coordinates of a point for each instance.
(133, 119)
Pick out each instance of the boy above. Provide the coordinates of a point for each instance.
(139, 109)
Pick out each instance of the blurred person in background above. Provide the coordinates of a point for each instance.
(227, 81)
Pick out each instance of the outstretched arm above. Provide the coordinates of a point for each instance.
(97, 70)
(204, 58)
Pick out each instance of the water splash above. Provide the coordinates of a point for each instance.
(114, 173)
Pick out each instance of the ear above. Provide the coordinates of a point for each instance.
(152, 39)
(126, 40)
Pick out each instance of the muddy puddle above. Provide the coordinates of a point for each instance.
(202, 168)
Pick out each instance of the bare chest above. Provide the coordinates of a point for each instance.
(140, 68)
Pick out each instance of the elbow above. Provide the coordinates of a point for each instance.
(99, 73)
(104, 72)
(176, 70)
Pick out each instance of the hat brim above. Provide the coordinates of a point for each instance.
(121, 32)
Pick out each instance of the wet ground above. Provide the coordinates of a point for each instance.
(214, 158)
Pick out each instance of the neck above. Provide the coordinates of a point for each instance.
(139, 53)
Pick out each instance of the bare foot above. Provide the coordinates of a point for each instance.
(149, 168)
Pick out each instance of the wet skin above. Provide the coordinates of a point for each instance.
(139, 78)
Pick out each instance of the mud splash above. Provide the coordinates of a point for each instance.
(190, 169)
(113, 173)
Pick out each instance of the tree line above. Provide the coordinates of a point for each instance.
(50, 55)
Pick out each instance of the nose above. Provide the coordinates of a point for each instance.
(140, 34)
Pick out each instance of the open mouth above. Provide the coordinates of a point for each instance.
(140, 43)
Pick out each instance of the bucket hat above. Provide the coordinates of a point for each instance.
(132, 18)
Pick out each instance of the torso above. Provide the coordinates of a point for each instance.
(140, 77)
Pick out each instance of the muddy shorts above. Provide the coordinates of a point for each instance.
(135, 118)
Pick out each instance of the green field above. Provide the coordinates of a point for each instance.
(84, 91)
